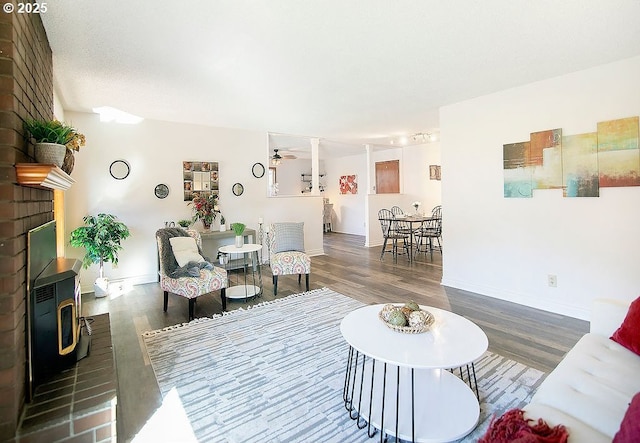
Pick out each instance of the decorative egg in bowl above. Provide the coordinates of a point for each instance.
(408, 318)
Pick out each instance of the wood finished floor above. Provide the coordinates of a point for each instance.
(536, 338)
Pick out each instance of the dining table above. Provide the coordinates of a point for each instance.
(411, 220)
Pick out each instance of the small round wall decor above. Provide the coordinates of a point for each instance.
(161, 190)
(257, 170)
(119, 169)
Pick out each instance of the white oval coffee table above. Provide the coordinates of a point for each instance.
(401, 383)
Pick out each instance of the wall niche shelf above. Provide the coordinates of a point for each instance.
(307, 178)
(42, 176)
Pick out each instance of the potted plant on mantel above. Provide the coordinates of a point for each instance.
(52, 141)
(101, 237)
(238, 229)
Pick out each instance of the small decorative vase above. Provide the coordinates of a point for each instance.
(223, 227)
(68, 162)
(239, 241)
(50, 153)
(206, 225)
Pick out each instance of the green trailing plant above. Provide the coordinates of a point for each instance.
(51, 131)
(238, 228)
(101, 237)
(184, 223)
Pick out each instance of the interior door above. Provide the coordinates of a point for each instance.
(388, 177)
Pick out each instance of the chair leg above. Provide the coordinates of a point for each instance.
(384, 247)
(192, 308)
(306, 280)
(223, 298)
(299, 279)
(275, 285)
(166, 300)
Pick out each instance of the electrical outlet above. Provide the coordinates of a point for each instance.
(552, 280)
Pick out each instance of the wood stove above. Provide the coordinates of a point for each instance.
(53, 309)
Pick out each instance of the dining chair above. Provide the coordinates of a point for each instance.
(397, 210)
(429, 232)
(183, 270)
(392, 230)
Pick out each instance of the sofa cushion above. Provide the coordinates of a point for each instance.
(628, 334)
(185, 250)
(630, 427)
(593, 383)
(579, 432)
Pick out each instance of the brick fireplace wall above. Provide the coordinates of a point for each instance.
(26, 91)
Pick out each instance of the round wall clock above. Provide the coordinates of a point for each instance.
(257, 170)
(161, 190)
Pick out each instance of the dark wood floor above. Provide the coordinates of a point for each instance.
(533, 337)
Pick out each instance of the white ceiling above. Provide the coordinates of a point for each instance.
(351, 71)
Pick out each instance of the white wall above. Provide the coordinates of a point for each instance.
(348, 209)
(155, 150)
(506, 248)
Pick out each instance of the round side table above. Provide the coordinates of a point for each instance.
(248, 280)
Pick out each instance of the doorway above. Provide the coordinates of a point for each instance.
(388, 177)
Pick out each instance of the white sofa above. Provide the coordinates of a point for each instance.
(590, 390)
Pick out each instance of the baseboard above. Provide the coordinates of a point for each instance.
(122, 283)
(557, 307)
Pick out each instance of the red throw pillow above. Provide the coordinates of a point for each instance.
(630, 427)
(628, 334)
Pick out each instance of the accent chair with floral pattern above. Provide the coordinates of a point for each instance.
(286, 252)
(191, 280)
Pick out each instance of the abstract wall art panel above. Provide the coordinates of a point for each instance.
(349, 184)
(545, 158)
(517, 175)
(580, 165)
(618, 152)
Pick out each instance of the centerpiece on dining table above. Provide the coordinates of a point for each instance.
(409, 318)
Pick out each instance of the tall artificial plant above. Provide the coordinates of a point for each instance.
(101, 237)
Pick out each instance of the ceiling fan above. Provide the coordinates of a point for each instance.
(276, 158)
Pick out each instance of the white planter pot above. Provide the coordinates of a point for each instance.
(223, 227)
(239, 241)
(50, 153)
(101, 287)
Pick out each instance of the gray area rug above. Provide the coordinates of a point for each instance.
(275, 373)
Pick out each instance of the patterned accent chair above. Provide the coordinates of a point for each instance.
(286, 252)
(190, 287)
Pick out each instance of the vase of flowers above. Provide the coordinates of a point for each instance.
(416, 205)
(205, 208)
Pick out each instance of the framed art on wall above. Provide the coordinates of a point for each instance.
(200, 177)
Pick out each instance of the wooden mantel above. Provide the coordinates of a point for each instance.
(43, 176)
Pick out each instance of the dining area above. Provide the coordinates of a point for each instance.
(410, 234)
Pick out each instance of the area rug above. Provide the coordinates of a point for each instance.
(274, 372)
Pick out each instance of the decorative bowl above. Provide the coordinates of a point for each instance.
(410, 329)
